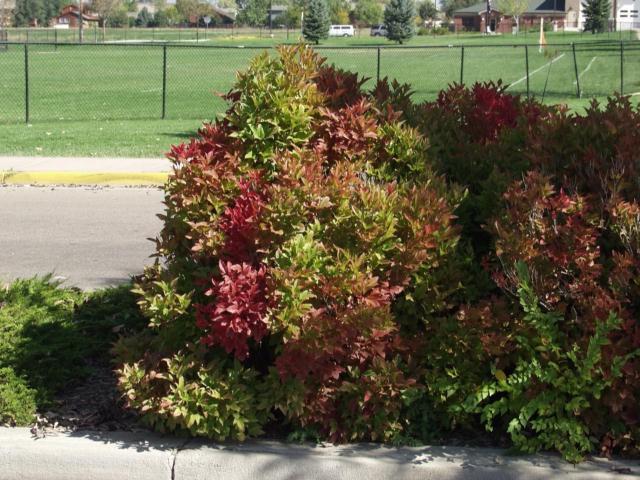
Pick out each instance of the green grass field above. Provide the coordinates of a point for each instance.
(114, 91)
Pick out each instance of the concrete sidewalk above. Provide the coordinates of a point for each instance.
(83, 171)
(141, 456)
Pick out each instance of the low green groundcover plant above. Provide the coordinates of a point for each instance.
(49, 336)
(348, 265)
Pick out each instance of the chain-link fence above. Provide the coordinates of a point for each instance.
(622, 31)
(46, 81)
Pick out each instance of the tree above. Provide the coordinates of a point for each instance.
(316, 21)
(398, 20)
(28, 11)
(338, 11)
(227, 4)
(450, 6)
(513, 8)
(144, 18)
(427, 10)
(52, 9)
(173, 15)
(118, 18)
(188, 9)
(596, 15)
(105, 10)
(130, 5)
(160, 19)
(290, 18)
(368, 12)
(254, 13)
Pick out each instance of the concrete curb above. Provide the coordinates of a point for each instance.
(141, 456)
(83, 178)
(83, 171)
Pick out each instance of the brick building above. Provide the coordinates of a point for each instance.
(473, 18)
(69, 17)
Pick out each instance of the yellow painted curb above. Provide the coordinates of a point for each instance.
(83, 178)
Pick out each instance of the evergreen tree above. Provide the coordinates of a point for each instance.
(160, 19)
(316, 21)
(596, 13)
(399, 20)
(144, 18)
(26, 11)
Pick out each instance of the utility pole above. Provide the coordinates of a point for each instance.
(270, 16)
(487, 20)
(80, 25)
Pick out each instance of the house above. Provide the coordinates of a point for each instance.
(473, 18)
(69, 17)
(222, 16)
(227, 15)
(6, 12)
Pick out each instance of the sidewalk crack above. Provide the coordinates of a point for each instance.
(174, 457)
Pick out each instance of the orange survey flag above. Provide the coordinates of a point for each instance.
(543, 41)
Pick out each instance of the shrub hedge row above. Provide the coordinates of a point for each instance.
(349, 265)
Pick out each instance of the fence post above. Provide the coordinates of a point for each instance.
(55, 38)
(26, 83)
(621, 68)
(462, 65)
(378, 67)
(575, 67)
(526, 66)
(164, 81)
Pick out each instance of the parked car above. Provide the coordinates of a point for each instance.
(342, 31)
(378, 30)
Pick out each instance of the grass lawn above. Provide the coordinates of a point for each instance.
(117, 138)
(98, 100)
(109, 138)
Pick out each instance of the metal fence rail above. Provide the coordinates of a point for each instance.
(48, 81)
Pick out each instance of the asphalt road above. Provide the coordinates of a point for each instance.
(90, 237)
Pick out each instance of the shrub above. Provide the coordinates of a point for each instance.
(582, 290)
(51, 336)
(553, 382)
(287, 237)
(216, 400)
(572, 224)
(478, 138)
(324, 268)
(17, 400)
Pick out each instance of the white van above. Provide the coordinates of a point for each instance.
(342, 31)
